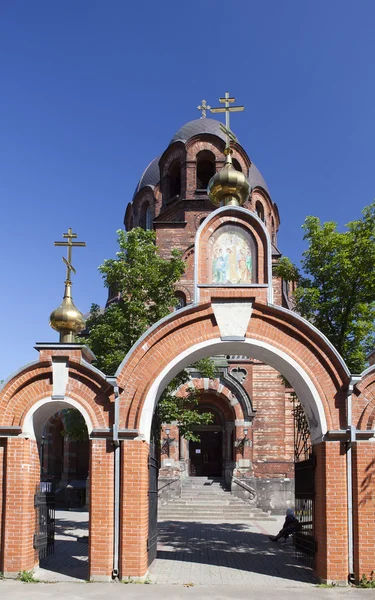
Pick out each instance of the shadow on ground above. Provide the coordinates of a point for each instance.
(229, 545)
(70, 555)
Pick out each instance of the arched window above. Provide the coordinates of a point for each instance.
(260, 210)
(181, 299)
(273, 234)
(146, 216)
(205, 168)
(174, 179)
(236, 165)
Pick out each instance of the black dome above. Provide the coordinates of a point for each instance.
(196, 127)
(151, 175)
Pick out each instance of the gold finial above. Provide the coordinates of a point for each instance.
(67, 319)
(203, 107)
(227, 109)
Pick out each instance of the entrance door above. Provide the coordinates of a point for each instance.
(206, 455)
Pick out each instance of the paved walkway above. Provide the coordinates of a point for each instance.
(195, 553)
(69, 562)
(226, 553)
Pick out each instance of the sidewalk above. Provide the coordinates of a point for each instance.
(118, 591)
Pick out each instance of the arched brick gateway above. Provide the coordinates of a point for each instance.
(241, 319)
(62, 378)
(225, 319)
(278, 338)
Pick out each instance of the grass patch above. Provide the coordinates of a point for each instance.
(367, 582)
(27, 577)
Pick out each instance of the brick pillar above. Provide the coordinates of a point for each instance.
(330, 520)
(101, 510)
(2, 496)
(134, 508)
(364, 508)
(20, 524)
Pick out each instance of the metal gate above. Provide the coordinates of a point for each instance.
(304, 473)
(44, 502)
(304, 509)
(153, 469)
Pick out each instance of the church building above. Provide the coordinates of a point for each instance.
(249, 395)
(292, 427)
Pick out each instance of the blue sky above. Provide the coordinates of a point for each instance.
(91, 92)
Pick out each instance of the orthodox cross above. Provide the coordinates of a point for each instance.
(203, 107)
(68, 261)
(227, 109)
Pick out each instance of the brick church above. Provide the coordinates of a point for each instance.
(305, 439)
(249, 395)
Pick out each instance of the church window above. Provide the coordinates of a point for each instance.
(260, 210)
(205, 169)
(146, 216)
(181, 300)
(174, 179)
(236, 165)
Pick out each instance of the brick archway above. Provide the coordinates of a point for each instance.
(63, 377)
(275, 336)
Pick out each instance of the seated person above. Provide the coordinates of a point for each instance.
(291, 524)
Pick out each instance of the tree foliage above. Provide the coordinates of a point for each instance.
(145, 282)
(336, 288)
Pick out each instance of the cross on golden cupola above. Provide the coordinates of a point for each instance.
(227, 109)
(67, 319)
(228, 186)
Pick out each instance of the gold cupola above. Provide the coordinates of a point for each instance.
(228, 187)
(66, 318)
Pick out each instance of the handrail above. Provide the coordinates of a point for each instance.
(168, 483)
(245, 486)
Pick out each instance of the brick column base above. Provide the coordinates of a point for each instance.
(364, 508)
(330, 519)
(101, 510)
(134, 509)
(22, 475)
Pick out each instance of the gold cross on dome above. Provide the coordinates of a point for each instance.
(68, 261)
(203, 107)
(227, 100)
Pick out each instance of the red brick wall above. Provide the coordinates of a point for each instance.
(330, 519)
(101, 509)
(364, 507)
(134, 508)
(3, 443)
(273, 428)
(22, 476)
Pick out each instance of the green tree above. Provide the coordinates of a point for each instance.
(336, 288)
(145, 282)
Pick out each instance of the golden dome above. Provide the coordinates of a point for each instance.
(67, 319)
(228, 186)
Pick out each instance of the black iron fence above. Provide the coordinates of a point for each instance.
(44, 502)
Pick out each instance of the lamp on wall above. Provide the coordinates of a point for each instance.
(240, 443)
(167, 442)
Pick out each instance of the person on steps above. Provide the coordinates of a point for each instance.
(291, 524)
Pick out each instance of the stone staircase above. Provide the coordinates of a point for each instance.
(207, 499)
